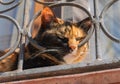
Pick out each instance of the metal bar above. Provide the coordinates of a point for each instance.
(97, 30)
(18, 38)
(22, 43)
(103, 27)
(99, 77)
(56, 71)
(21, 56)
(25, 23)
(7, 3)
(11, 7)
(23, 39)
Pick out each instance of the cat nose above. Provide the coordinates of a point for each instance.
(72, 47)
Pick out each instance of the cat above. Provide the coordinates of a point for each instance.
(54, 33)
(64, 36)
(9, 63)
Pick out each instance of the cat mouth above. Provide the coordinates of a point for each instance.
(73, 50)
(69, 58)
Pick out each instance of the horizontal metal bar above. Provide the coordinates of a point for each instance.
(56, 71)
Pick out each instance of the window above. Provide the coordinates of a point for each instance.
(103, 43)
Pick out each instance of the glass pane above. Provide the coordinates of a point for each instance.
(109, 48)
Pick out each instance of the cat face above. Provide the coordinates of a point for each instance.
(72, 33)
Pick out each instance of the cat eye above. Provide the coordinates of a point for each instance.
(80, 38)
(64, 40)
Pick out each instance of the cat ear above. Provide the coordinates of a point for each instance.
(85, 24)
(47, 15)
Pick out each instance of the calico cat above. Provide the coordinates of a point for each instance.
(9, 63)
(55, 33)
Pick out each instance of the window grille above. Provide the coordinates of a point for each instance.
(23, 27)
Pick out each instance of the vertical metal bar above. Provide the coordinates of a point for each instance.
(22, 44)
(23, 39)
(97, 30)
(62, 10)
(21, 56)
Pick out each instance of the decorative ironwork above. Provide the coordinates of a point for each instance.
(50, 2)
(18, 38)
(96, 19)
(6, 3)
(19, 30)
(102, 24)
(9, 3)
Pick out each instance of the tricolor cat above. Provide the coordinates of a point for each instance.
(54, 33)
